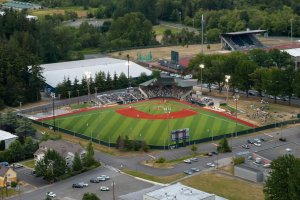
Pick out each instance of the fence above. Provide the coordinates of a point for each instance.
(181, 144)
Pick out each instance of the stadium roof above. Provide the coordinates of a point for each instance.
(6, 135)
(56, 72)
(20, 5)
(245, 32)
(180, 82)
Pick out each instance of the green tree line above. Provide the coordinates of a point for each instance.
(270, 72)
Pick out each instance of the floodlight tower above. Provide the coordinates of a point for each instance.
(227, 78)
(88, 76)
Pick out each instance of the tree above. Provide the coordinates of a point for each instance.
(284, 179)
(30, 147)
(2, 145)
(194, 148)
(223, 146)
(90, 196)
(16, 150)
(77, 165)
(25, 129)
(89, 157)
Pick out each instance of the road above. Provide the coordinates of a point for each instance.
(64, 190)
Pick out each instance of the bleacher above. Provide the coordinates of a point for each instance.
(243, 40)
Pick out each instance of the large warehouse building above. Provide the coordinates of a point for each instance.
(55, 73)
(7, 137)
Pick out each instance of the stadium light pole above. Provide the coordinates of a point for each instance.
(201, 68)
(227, 78)
(202, 22)
(179, 16)
(88, 76)
(69, 93)
(77, 96)
(53, 114)
(128, 63)
(236, 98)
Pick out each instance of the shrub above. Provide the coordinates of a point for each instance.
(13, 184)
(160, 160)
(194, 148)
(238, 160)
(146, 148)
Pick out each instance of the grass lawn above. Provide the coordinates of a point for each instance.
(51, 11)
(160, 29)
(28, 163)
(107, 125)
(225, 186)
(159, 179)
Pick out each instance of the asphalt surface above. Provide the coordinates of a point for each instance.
(64, 190)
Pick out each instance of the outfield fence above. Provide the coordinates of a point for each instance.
(179, 144)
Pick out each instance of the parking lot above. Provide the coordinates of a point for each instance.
(123, 184)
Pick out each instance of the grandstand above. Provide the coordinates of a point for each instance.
(19, 5)
(167, 86)
(242, 40)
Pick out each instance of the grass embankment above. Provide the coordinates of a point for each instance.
(225, 186)
(159, 179)
(28, 163)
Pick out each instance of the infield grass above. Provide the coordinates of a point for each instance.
(106, 124)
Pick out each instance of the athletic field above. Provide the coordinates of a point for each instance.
(151, 120)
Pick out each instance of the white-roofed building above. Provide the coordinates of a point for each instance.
(56, 72)
(295, 53)
(7, 137)
(180, 192)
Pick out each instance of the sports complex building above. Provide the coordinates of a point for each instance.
(55, 73)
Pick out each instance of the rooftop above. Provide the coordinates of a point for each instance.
(181, 192)
(6, 135)
(244, 166)
(56, 72)
(245, 32)
(60, 146)
(293, 52)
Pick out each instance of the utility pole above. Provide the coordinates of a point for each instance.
(77, 96)
(113, 186)
(69, 93)
(202, 21)
(96, 94)
(129, 84)
(292, 30)
(53, 114)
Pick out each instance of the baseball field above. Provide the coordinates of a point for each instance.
(151, 120)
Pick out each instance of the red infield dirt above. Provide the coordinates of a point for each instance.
(132, 112)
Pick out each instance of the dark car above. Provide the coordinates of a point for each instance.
(95, 180)
(250, 141)
(76, 185)
(214, 152)
(245, 146)
(282, 139)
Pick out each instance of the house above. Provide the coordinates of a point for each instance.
(64, 148)
(7, 176)
(7, 137)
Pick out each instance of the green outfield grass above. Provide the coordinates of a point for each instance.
(106, 124)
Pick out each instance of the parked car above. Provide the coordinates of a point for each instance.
(188, 161)
(76, 185)
(282, 139)
(16, 165)
(94, 180)
(101, 178)
(250, 141)
(246, 146)
(83, 184)
(194, 159)
(209, 154)
(210, 164)
(195, 169)
(104, 188)
(188, 172)
(51, 194)
(257, 144)
(106, 177)
(215, 152)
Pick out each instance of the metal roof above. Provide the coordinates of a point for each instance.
(6, 135)
(56, 72)
(293, 52)
(245, 32)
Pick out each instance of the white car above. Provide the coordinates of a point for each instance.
(101, 178)
(194, 159)
(51, 194)
(195, 169)
(210, 164)
(104, 188)
(257, 144)
(106, 177)
(83, 184)
(188, 161)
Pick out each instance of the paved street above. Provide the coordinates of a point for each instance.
(64, 190)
